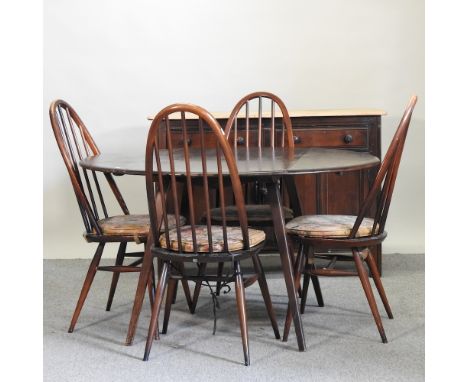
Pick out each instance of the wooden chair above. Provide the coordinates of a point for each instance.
(353, 233)
(200, 244)
(259, 119)
(75, 143)
(267, 126)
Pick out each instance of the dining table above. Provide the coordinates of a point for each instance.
(275, 167)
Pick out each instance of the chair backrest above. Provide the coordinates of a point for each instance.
(384, 184)
(75, 143)
(264, 123)
(166, 167)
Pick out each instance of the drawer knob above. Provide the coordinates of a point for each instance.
(348, 138)
(189, 141)
(297, 139)
(240, 140)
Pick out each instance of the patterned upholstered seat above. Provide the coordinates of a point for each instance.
(328, 226)
(132, 225)
(234, 235)
(255, 212)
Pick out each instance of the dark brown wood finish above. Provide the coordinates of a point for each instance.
(333, 192)
(75, 143)
(253, 123)
(266, 164)
(164, 170)
(376, 205)
(251, 162)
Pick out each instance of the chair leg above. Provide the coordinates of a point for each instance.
(87, 285)
(305, 288)
(305, 284)
(266, 294)
(364, 277)
(151, 287)
(160, 289)
(317, 289)
(378, 283)
(145, 275)
(219, 274)
(198, 284)
(298, 269)
(171, 291)
(296, 259)
(153, 279)
(185, 287)
(240, 297)
(115, 277)
(174, 295)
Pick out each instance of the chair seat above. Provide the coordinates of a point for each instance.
(234, 235)
(328, 226)
(255, 212)
(131, 225)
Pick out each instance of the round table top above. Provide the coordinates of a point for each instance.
(250, 162)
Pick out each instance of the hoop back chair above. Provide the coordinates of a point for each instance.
(354, 233)
(201, 244)
(75, 143)
(258, 120)
(257, 129)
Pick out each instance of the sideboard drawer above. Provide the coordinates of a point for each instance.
(193, 138)
(332, 137)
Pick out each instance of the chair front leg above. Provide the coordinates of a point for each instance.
(240, 298)
(372, 264)
(87, 285)
(160, 289)
(364, 277)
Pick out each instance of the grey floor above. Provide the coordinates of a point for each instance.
(342, 340)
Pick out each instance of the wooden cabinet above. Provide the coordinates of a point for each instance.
(335, 193)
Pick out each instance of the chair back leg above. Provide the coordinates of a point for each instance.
(171, 291)
(317, 289)
(198, 285)
(298, 269)
(266, 294)
(115, 277)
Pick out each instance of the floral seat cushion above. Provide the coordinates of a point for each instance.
(328, 226)
(234, 238)
(255, 212)
(132, 225)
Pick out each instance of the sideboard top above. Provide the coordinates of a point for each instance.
(302, 113)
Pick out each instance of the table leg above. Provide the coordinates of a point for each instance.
(145, 273)
(274, 198)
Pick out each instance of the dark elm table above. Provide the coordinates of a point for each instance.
(265, 164)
